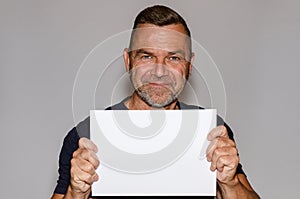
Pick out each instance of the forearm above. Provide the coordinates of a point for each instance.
(235, 190)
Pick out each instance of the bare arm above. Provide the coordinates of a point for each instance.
(223, 155)
(60, 196)
(83, 171)
(241, 188)
(57, 196)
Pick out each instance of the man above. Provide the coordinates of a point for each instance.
(159, 61)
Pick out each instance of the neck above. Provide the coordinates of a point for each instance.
(136, 103)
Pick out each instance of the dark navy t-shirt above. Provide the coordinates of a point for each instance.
(70, 144)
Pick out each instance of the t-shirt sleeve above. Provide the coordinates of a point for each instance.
(220, 121)
(70, 144)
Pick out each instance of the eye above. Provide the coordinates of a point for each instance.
(174, 58)
(146, 57)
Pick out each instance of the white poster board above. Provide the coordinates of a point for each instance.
(157, 152)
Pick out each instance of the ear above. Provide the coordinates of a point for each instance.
(191, 64)
(126, 58)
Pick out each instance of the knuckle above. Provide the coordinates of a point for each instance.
(218, 152)
(81, 142)
(73, 161)
(97, 163)
(209, 151)
(223, 159)
(75, 154)
(216, 142)
(218, 139)
(91, 179)
(89, 168)
(83, 187)
(88, 178)
(78, 152)
(225, 129)
(73, 171)
(86, 152)
(227, 142)
(235, 151)
(232, 143)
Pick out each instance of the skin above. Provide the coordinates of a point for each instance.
(159, 64)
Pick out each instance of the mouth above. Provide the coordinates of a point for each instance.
(164, 83)
(157, 84)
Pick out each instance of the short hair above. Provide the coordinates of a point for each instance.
(159, 15)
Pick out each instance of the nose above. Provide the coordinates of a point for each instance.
(159, 68)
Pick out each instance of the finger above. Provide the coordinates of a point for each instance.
(218, 143)
(79, 186)
(88, 144)
(83, 165)
(219, 131)
(87, 155)
(227, 168)
(81, 177)
(96, 177)
(227, 163)
(222, 152)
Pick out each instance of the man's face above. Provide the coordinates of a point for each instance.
(160, 63)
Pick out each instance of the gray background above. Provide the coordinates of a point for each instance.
(255, 44)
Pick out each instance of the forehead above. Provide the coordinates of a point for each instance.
(169, 38)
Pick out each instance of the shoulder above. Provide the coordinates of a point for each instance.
(220, 120)
(81, 130)
(119, 106)
(70, 144)
(185, 106)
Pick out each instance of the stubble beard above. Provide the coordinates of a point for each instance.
(156, 97)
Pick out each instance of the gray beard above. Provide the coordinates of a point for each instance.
(146, 97)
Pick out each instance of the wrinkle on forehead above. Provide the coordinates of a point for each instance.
(160, 38)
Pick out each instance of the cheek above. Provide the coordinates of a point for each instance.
(184, 72)
(178, 72)
(138, 73)
(180, 80)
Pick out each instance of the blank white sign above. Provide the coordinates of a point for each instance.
(157, 152)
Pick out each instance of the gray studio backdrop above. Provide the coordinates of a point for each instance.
(255, 45)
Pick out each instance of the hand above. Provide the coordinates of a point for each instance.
(83, 168)
(223, 155)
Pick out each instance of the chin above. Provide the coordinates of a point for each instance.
(154, 97)
(158, 103)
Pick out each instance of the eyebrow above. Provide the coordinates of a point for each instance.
(143, 51)
(177, 52)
